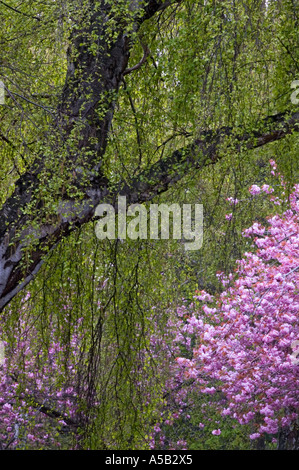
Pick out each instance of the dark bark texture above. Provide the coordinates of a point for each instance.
(92, 81)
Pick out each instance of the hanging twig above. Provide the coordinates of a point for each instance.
(146, 53)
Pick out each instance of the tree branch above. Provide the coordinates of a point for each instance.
(19, 12)
(146, 53)
(54, 414)
(204, 151)
(92, 81)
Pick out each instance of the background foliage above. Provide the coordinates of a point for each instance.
(211, 65)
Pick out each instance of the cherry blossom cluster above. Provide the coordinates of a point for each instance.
(242, 345)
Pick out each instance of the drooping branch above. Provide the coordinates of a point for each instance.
(92, 81)
(146, 53)
(205, 150)
(96, 62)
(54, 414)
(19, 12)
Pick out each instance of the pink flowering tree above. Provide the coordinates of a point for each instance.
(240, 348)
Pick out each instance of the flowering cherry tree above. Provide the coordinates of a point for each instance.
(242, 344)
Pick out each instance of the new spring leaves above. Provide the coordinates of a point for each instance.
(185, 225)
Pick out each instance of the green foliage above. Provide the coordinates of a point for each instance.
(211, 64)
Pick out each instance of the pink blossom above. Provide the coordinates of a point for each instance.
(243, 337)
(254, 189)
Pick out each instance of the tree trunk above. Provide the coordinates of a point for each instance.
(288, 439)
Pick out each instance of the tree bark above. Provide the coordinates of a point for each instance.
(93, 80)
(288, 439)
